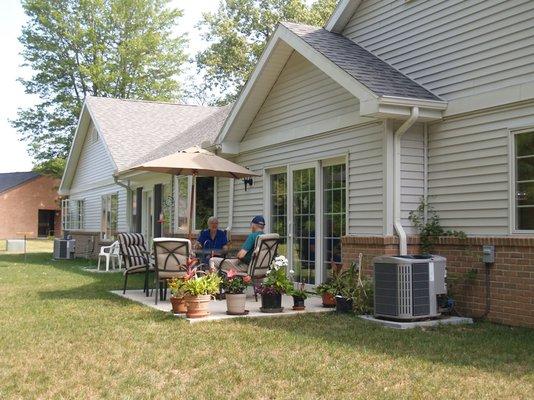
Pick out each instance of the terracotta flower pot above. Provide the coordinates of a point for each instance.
(271, 303)
(197, 306)
(329, 301)
(178, 305)
(235, 303)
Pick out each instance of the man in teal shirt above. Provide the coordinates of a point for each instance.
(244, 255)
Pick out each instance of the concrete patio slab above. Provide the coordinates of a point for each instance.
(418, 324)
(218, 307)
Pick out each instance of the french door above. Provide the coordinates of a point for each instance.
(308, 211)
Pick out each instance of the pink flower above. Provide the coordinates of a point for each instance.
(247, 279)
(232, 272)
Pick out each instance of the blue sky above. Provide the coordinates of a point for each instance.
(13, 156)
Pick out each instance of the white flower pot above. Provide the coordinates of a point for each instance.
(235, 303)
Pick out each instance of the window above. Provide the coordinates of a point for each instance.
(72, 214)
(133, 210)
(279, 209)
(524, 181)
(109, 217)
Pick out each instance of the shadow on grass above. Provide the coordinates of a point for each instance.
(485, 346)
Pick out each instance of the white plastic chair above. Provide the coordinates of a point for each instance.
(111, 253)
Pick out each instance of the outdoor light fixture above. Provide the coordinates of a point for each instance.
(248, 182)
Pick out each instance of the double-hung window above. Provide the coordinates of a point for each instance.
(524, 180)
(72, 214)
(109, 216)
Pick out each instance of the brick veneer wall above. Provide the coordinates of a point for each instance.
(511, 277)
(82, 243)
(19, 207)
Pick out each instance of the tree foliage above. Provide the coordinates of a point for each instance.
(238, 32)
(76, 48)
(53, 167)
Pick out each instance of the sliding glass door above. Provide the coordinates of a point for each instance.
(307, 208)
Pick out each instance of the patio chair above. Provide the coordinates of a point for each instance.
(265, 250)
(110, 253)
(170, 256)
(136, 257)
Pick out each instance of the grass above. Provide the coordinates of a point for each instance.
(64, 336)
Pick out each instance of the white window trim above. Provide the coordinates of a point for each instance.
(67, 221)
(107, 197)
(512, 175)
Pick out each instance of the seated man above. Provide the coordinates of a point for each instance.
(212, 238)
(244, 255)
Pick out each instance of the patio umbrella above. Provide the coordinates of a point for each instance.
(196, 162)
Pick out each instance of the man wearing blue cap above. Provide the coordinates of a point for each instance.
(244, 255)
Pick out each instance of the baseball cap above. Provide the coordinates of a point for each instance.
(258, 220)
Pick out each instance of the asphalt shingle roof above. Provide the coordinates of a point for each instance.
(205, 130)
(377, 75)
(9, 180)
(133, 129)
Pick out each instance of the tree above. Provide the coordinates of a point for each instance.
(238, 32)
(53, 167)
(76, 48)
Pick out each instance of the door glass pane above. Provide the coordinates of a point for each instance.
(304, 225)
(335, 185)
(279, 209)
(204, 197)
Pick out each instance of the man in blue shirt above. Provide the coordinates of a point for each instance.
(213, 237)
(244, 255)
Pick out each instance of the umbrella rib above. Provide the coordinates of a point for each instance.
(234, 175)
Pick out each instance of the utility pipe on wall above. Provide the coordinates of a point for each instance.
(397, 223)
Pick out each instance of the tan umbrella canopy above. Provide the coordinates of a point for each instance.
(196, 162)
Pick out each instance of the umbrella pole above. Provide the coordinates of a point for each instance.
(193, 191)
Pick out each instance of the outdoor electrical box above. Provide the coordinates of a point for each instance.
(488, 254)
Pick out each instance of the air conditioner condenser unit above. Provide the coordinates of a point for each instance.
(64, 249)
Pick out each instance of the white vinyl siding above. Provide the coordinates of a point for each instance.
(455, 48)
(302, 95)
(93, 179)
(364, 147)
(223, 200)
(412, 173)
(469, 181)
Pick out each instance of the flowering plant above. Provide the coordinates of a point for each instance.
(177, 287)
(234, 283)
(276, 281)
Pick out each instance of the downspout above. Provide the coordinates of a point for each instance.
(425, 169)
(231, 205)
(403, 247)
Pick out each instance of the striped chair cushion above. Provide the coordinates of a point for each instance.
(133, 248)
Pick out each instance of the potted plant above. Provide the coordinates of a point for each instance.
(234, 286)
(177, 287)
(199, 291)
(274, 285)
(299, 297)
(327, 292)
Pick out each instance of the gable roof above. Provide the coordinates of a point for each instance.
(377, 75)
(382, 91)
(132, 129)
(10, 180)
(344, 10)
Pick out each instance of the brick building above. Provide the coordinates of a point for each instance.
(29, 205)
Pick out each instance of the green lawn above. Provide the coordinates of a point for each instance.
(64, 336)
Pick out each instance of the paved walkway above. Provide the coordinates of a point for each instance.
(218, 307)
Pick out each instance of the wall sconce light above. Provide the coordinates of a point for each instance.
(248, 182)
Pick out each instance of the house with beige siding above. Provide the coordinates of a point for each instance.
(351, 125)
(393, 102)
